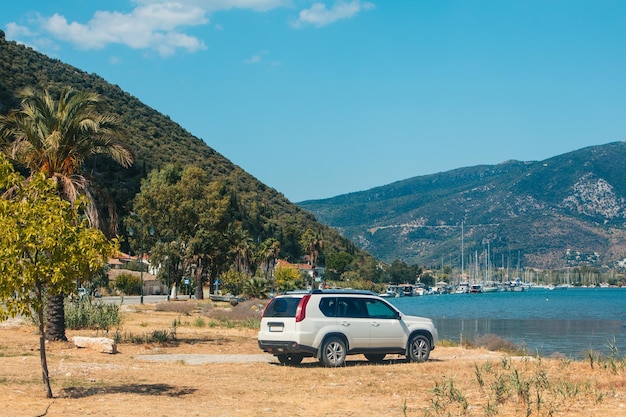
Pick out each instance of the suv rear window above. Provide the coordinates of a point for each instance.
(282, 307)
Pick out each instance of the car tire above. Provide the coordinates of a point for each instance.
(375, 357)
(334, 352)
(290, 359)
(419, 348)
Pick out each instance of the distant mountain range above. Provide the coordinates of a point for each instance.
(563, 211)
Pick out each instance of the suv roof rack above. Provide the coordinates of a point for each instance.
(330, 291)
(342, 291)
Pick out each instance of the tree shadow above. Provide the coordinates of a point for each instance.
(140, 389)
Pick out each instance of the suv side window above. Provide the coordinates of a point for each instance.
(328, 306)
(351, 307)
(378, 309)
(283, 307)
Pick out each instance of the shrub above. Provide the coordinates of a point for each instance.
(155, 336)
(245, 314)
(182, 307)
(128, 284)
(496, 343)
(255, 288)
(83, 314)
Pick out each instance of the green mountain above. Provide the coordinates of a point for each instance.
(566, 210)
(157, 141)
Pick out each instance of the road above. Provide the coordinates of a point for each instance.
(134, 299)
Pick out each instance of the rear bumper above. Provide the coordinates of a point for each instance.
(285, 347)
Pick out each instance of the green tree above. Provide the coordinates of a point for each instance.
(233, 282)
(191, 217)
(400, 273)
(337, 263)
(55, 138)
(287, 279)
(44, 249)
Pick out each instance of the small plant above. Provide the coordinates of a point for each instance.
(611, 362)
(447, 343)
(448, 400)
(479, 376)
(521, 386)
(160, 336)
(491, 409)
(199, 322)
(155, 336)
(500, 389)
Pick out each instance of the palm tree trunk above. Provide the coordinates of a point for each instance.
(55, 318)
(199, 283)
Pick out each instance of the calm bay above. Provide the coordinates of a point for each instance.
(570, 322)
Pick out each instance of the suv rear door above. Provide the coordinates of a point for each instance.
(353, 321)
(279, 318)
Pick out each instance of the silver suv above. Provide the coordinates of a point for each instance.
(331, 324)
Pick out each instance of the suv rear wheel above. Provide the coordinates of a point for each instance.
(333, 352)
(419, 348)
(290, 359)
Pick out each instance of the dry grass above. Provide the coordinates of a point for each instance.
(456, 381)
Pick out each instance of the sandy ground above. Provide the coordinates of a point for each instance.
(214, 371)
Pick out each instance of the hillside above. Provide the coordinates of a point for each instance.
(156, 141)
(546, 214)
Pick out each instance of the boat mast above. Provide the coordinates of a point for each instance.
(462, 254)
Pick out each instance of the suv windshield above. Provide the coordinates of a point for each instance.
(282, 307)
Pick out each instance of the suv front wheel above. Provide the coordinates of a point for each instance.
(333, 352)
(419, 348)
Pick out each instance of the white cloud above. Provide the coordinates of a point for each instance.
(13, 31)
(318, 15)
(215, 5)
(160, 25)
(154, 26)
(256, 58)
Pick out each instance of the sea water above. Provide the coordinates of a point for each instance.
(571, 322)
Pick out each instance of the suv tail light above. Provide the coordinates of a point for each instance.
(301, 310)
(265, 308)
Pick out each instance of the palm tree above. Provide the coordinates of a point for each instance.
(56, 138)
(312, 242)
(242, 249)
(268, 252)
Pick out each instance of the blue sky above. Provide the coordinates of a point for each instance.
(321, 98)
